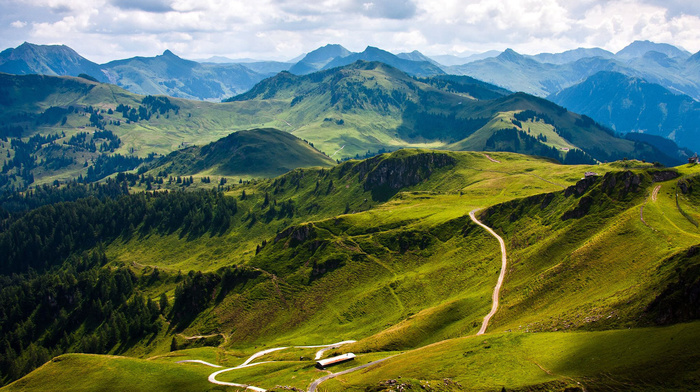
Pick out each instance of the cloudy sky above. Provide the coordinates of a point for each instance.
(103, 30)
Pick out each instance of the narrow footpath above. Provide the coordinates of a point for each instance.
(501, 276)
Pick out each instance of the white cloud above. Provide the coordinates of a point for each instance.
(280, 29)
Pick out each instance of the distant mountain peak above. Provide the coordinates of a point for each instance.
(168, 53)
(316, 59)
(510, 55)
(639, 48)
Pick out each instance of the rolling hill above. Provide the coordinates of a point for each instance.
(352, 111)
(340, 104)
(257, 152)
(598, 292)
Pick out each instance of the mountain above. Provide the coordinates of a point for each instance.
(414, 68)
(640, 48)
(257, 152)
(372, 106)
(449, 60)
(517, 72)
(171, 75)
(546, 74)
(166, 74)
(317, 59)
(416, 56)
(48, 60)
(75, 128)
(267, 67)
(570, 56)
(629, 104)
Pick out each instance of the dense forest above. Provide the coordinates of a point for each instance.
(58, 291)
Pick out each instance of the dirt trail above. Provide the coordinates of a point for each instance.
(654, 195)
(212, 377)
(501, 276)
(491, 159)
(325, 347)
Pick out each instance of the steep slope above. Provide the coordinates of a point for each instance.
(257, 152)
(629, 104)
(47, 60)
(317, 59)
(381, 251)
(413, 68)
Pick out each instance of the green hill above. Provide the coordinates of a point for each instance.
(380, 251)
(258, 152)
(72, 128)
(372, 106)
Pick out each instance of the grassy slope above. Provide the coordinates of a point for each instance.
(634, 360)
(257, 152)
(85, 372)
(394, 276)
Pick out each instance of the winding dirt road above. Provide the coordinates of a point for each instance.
(325, 347)
(501, 276)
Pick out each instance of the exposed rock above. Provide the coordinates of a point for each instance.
(664, 175)
(581, 187)
(397, 171)
(620, 184)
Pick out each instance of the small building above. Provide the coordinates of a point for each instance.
(693, 159)
(324, 363)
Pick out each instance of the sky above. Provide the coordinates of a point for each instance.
(104, 30)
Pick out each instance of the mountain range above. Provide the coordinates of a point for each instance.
(80, 128)
(441, 232)
(631, 104)
(542, 74)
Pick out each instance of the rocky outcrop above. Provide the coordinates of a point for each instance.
(621, 184)
(663, 175)
(401, 170)
(581, 187)
(584, 205)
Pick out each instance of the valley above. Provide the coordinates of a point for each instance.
(174, 225)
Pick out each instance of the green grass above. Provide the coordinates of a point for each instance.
(415, 275)
(639, 359)
(85, 372)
